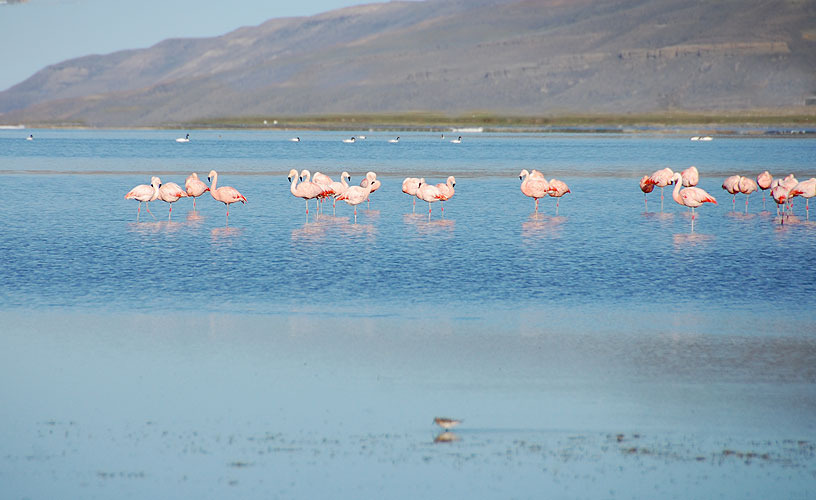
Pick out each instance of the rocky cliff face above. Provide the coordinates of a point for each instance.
(528, 57)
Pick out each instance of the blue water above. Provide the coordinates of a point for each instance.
(210, 357)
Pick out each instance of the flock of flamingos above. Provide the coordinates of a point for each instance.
(320, 187)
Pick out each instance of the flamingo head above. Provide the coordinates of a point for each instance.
(345, 175)
(304, 175)
(292, 174)
(155, 181)
(524, 173)
(211, 175)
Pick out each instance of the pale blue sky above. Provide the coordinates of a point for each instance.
(42, 32)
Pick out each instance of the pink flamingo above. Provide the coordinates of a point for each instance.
(534, 186)
(691, 197)
(170, 193)
(647, 187)
(557, 190)
(226, 194)
(409, 187)
(324, 181)
(339, 187)
(690, 176)
(306, 190)
(661, 178)
(375, 183)
(746, 187)
(780, 194)
(764, 181)
(355, 195)
(789, 183)
(145, 194)
(731, 184)
(429, 193)
(195, 187)
(446, 191)
(807, 190)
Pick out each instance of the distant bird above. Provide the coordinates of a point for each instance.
(226, 194)
(429, 193)
(731, 184)
(355, 195)
(394, 141)
(362, 137)
(446, 191)
(306, 189)
(349, 141)
(691, 197)
(690, 176)
(807, 190)
(764, 181)
(144, 193)
(30, 137)
(661, 178)
(647, 187)
(170, 193)
(184, 139)
(746, 187)
(557, 190)
(534, 186)
(457, 141)
(195, 187)
(409, 187)
(447, 423)
(295, 139)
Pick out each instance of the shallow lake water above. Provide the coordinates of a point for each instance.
(603, 351)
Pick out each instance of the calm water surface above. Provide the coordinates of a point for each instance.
(605, 351)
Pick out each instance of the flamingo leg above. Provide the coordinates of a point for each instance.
(194, 205)
(557, 202)
(692, 219)
(746, 204)
(147, 207)
(170, 213)
(413, 208)
(661, 199)
(536, 206)
(646, 202)
(734, 202)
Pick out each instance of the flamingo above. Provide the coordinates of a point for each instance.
(306, 190)
(355, 195)
(324, 181)
(195, 187)
(446, 191)
(226, 194)
(144, 193)
(746, 187)
(661, 178)
(184, 139)
(731, 184)
(781, 195)
(690, 176)
(557, 190)
(789, 183)
(429, 193)
(170, 193)
(690, 197)
(375, 183)
(764, 181)
(534, 185)
(340, 187)
(807, 190)
(647, 187)
(409, 187)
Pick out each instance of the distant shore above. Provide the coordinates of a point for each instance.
(792, 122)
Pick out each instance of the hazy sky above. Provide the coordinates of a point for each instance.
(37, 33)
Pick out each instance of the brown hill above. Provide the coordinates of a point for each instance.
(534, 57)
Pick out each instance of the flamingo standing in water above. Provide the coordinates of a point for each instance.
(409, 187)
(355, 195)
(746, 187)
(731, 184)
(534, 185)
(780, 195)
(429, 193)
(225, 194)
(690, 176)
(144, 193)
(339, 187)
(807, 190)
(324, 181)
(306, 190)
(647, 187)
(661, 178)
(446, 191)
(764, 181)
(691, 197)
(170, 193)
(375, 184)
(557, 190)
(195, 187)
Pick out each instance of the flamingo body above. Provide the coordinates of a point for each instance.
(225, 194)
(690, 176)
(534, 185)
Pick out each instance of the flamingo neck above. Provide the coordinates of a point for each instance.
(213, 185)
(676, 192)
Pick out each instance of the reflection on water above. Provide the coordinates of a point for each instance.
(539, 226)
(446, 437)
(225, 235)
(685, 240)
(155, 227)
